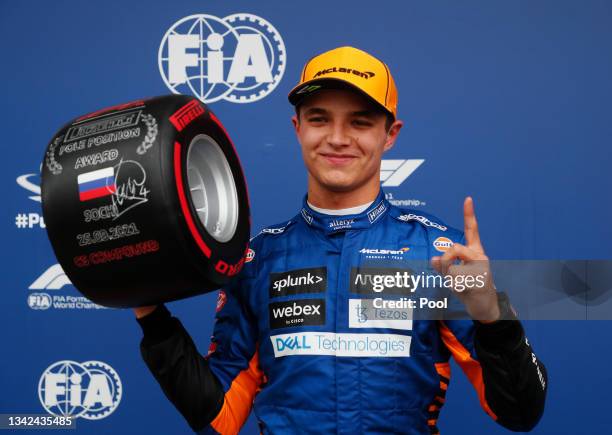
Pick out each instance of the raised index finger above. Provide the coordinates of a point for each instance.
(470, 225)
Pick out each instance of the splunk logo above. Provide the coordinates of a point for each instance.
(297, 313)
(239, 58)
(341, 344)
(377, 280)
(312, 280)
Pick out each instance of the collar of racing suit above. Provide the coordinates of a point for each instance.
(333, 224)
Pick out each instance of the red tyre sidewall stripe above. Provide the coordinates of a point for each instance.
(178, 177)
(246, 188)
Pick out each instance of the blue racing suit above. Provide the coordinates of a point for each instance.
(317, 336)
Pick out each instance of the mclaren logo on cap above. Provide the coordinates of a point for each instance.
(365, 74)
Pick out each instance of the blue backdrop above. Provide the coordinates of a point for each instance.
(505, 101)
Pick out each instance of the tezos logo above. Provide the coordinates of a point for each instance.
(442, 244)
(240, 58)
(91, 390)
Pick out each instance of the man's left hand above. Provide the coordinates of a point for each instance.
(480, 300)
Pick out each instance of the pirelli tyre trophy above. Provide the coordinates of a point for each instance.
(146, 202)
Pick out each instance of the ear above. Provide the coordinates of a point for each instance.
(392, 134)
(296, 123)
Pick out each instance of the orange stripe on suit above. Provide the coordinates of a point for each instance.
(469, 365)
(239, 399)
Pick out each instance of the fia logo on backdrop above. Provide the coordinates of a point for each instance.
(91, 390)
(240, 58)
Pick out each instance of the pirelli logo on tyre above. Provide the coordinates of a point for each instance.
(298, 281)
(302, 312)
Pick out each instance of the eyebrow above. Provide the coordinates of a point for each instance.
(320, 111)
(315, 111)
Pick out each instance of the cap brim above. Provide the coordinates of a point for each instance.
(306, 89)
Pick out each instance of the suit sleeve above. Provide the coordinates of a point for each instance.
(214, 393)
(511, 382)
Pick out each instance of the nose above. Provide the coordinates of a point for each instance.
(338, 136)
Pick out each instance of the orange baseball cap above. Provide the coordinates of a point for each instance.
(348, 66)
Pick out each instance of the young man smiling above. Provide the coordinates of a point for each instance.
(297, 336)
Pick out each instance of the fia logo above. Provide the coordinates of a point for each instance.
(91, 390)
(240, 58)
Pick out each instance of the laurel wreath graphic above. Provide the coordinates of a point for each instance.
(50, 161)
(149, 139)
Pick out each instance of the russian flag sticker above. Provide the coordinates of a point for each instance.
(96, 184)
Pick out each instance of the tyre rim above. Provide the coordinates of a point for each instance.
(212, 188)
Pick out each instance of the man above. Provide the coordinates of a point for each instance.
(301, 337)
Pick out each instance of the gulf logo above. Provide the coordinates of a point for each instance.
(442, 244)
(96, 184)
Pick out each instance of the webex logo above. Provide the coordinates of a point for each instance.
(297, 313)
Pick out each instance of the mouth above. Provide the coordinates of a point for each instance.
(338, 159)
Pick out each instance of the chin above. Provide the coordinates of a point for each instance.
(338, 185)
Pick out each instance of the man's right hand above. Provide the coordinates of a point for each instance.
(143, 311)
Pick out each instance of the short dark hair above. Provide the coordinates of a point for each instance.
(388, 121)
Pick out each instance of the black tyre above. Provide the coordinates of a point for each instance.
(146, 202)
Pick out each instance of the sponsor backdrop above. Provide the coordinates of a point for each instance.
(505, 101)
